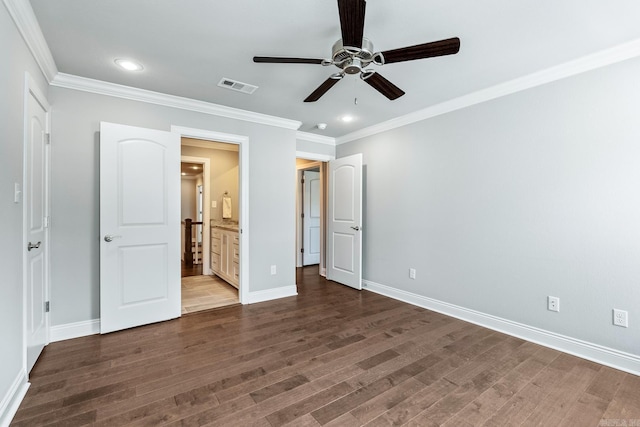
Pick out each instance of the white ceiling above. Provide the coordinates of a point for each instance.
(186, 47)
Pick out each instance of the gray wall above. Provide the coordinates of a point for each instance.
(315, 147)
(17, 59)
(188, 204)
(501, 204)
(224, 176)
(75, 248)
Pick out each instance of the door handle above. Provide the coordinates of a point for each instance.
(357, 228)
(109, 237)
(32, 246)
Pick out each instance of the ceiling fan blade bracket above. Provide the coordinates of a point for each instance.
(353, 51)
(378, 59)
(365, 74)
(327, 62)
(337, 76)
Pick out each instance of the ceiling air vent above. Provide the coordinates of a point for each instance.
(237, 86)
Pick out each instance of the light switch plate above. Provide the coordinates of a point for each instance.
(17, 193)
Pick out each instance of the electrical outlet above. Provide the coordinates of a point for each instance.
(553, 303)
(620, 318)
(412, 273)
(273, 269)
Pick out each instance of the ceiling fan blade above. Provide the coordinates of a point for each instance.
(384, 86)
(352, 21)
(281, 60)
(425, 50)
(322, 89)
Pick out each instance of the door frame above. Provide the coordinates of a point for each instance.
(206, 211)
(322, 161)
(243, 164)
(32, 88)
(300, 209)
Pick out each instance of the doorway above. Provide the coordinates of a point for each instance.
(310, 213)
(210, 177)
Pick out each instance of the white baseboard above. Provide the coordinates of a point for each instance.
(271, 294)
(596, 353)
(323, 272)
(74, 330)
(11, 401)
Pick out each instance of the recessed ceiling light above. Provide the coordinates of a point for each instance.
(129, 65)
(346, 118)
(321, 126)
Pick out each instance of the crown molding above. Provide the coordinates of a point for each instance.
(312, 137)
(586, 63)
(99, 87)
(26, 22)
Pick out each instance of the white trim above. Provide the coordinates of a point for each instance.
(69, 331)
(586, 63)
(206, 210)
(314, 156)
(323, 272)
(27, 24)
(606, 356)
(11, 401)
(271, 294)
(312, 137)
(69, 81)
(243, 154)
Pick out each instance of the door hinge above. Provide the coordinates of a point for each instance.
(46, 222)
(302, 215)
(47, 307)
(47, 138)
(302, 180)
(302, 250)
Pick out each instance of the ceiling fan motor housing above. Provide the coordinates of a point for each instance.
(352, 59)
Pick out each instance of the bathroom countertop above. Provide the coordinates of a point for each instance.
(229, 226)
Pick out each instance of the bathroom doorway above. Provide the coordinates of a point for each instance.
(209, 214)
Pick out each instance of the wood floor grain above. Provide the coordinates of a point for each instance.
(332, 356)
(206, 292)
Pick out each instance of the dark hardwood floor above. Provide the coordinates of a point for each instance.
(195, 270)
(330, 356)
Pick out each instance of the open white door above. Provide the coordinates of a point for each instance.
(139, 226)
(344, 243)
(311, 220)
(36, 219)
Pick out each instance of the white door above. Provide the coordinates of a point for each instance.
(35, 186)
(311, 220)
(344, 243)
(139, 226)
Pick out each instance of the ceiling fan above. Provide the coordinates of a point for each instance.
(353, 53)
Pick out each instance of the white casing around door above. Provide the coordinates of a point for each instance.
(139, 226)
(311, 220)
(344, 241)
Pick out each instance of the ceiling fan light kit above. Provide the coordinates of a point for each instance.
(353, 53)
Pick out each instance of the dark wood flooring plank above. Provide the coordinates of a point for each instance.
(331, 356)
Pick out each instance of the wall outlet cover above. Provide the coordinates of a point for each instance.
(553, 303)
(620, 318)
